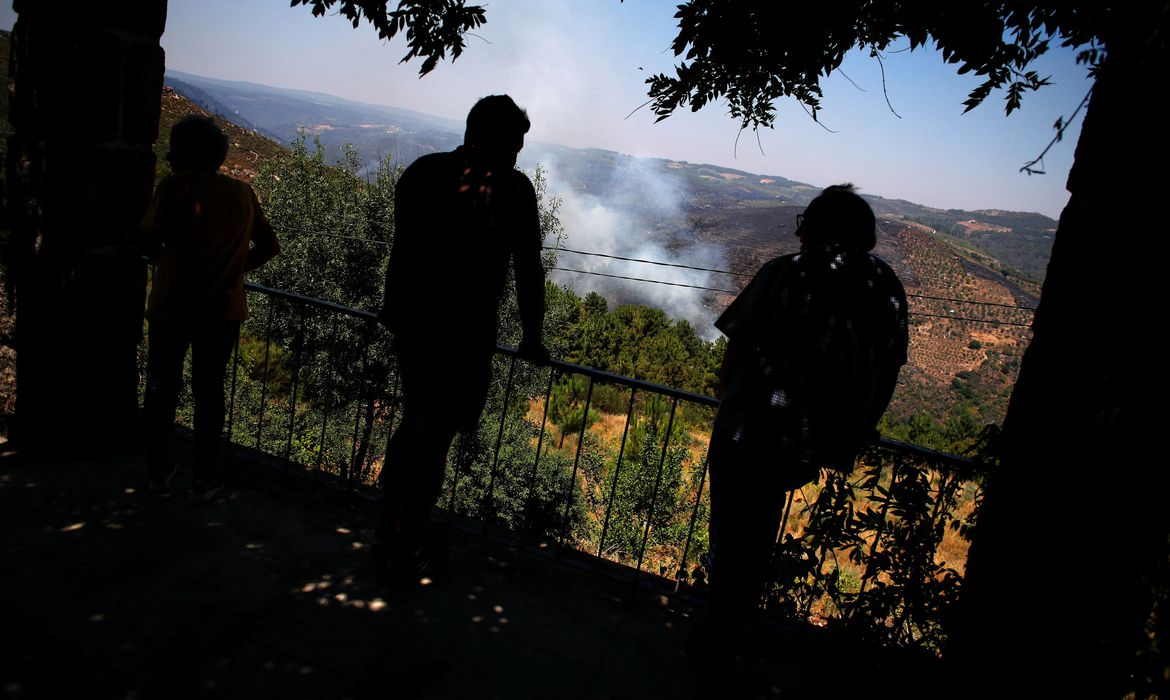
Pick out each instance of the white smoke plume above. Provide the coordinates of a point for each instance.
(618, 223)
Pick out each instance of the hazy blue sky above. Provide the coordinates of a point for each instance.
(578, 67)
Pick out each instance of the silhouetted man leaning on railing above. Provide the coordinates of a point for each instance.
(815, 343)
(203, 230)
(460, 218)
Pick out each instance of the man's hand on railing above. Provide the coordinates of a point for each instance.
(534, 352)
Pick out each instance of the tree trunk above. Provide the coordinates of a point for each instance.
(1074, 520)
(87, 79)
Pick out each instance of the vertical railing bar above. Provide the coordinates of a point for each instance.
(915, 579)
(820, 558)
(818, 574)
(552, 373)
(869, 573)
(363, 381)
(231, 421)
(917, 576)
(387, 397)
(682, 564)
(264, 385)
(489, 499)
(292, 417)
(576, 463)
(328, 393)
(786, 513)
(460, 456)
(942, 484)
(654, 492)
(394, 399)
(616, 471)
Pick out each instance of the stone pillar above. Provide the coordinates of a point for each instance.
(87, 82)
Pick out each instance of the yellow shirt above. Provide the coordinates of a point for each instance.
(210, 229)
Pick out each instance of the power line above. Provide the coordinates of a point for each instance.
(648, 262)
(980, 303)
(972, 320)
(640, 279)
(675, 265)
(741, 274)
(728, 291)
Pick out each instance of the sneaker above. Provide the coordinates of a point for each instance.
(205, 491)
(163, 485)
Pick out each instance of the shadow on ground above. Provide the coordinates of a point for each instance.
(111, 592)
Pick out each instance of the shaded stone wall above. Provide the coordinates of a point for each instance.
(87, 81)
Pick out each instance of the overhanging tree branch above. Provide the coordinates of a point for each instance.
(432, 27)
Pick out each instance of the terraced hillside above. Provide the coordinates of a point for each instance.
(246, 148)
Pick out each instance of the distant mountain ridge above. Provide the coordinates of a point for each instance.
(711, 192)
(964, 351)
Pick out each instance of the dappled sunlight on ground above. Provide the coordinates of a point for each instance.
(111, 591)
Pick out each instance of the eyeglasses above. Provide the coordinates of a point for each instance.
(800, 221)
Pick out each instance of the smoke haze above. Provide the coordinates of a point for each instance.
(639, 214)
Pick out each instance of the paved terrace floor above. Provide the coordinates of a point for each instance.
(109, 592)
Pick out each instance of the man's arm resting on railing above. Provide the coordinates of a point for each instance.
(530, 299)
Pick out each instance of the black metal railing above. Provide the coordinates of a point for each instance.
(314, 384)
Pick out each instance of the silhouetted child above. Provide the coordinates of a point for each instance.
(204, 230)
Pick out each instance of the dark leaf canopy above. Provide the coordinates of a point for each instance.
(432, 27)
(753, 53)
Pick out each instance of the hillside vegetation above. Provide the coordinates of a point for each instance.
(963, 356)
(247, 150)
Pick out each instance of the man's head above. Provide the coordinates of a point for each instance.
(197, 144)
(838, 216)
(496, 128)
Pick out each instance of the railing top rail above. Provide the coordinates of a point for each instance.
(312, 301)
(929, 455)
(639, 384)
(925, 453)
(560, 365)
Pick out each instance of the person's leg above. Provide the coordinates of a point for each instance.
(210, 351)
(168, 347)
(416, 461)
(745, 518)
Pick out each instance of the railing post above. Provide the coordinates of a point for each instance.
(394, 399)
(682, 564)
(363, 381)
(552, 372)
(460, 456)
(264, 385)
(869, 572)
(489, 500)
(576, 463)
(292, 410)
(328, 391)
(654, 493)
(616, 472)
